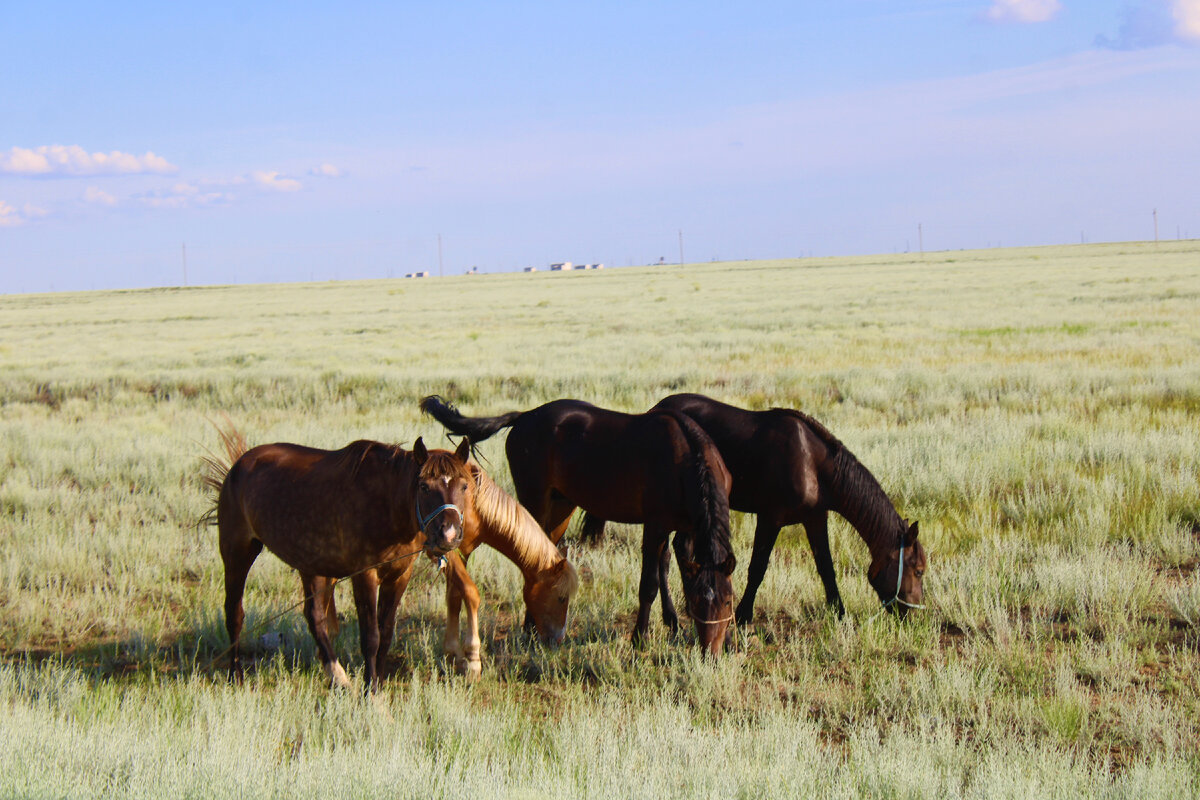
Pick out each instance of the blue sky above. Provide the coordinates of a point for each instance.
(299, 141)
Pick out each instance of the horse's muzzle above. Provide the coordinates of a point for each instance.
(442, 541)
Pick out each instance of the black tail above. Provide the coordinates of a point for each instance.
(474, 428)
(708, 500)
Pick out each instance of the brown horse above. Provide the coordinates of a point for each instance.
(658, 469)
(367, 511)
(788, 469)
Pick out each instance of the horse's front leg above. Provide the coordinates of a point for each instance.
(390, 593)
(315, 610)
(466, 648)
(654, 541)
(366, 591)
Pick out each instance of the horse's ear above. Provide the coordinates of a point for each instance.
(463, 451)
(419, 452)
(729, 565)
(911, 536)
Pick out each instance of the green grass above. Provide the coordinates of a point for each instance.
(1037, 410)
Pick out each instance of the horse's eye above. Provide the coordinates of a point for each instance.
(920, 573)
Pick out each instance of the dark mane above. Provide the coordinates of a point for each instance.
(355, 454)
(858, 497)
(710, 503)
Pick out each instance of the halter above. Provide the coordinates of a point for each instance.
(424, 519)
(699, 621)
(687, 607)
(899, 578)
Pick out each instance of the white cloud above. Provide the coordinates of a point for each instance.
(183, 195)
(1023, 10)
(11, 216)
(275, 182)
(73, 160)
(1187, 19)
(326, 171)
(98, 197)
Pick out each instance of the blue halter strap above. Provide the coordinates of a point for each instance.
(900, 577)
(425, 519)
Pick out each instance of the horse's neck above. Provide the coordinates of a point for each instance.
(506, 526)
(530, 560)
(858, 497)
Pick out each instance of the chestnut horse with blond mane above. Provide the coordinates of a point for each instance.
(364, 512)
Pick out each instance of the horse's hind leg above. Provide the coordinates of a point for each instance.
(315, 608)
(592, 530)
(238, 558)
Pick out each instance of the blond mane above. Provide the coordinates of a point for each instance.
(504, 518)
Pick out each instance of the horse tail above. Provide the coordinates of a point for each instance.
(474, 428)
(707, 498)
(217, 467)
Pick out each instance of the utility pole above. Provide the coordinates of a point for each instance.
(1156, 226)
(920, 239)
(441, 273)
(185, 263)
(681, 246)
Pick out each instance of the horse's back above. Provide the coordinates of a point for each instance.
(320, 511)
(617, 465)
(774, 455)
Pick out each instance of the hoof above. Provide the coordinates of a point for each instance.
(471, 669)
(337, 676)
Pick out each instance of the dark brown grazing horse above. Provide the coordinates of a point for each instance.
(365, 511)
(659, 470)
(788, 469)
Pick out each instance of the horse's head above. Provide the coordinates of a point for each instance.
(444, 495)
(547, 596)
(896, 572)
(708, 592)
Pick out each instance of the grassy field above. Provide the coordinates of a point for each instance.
(1037, 410)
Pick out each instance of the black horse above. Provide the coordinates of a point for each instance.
(658, 469)
(788, 468)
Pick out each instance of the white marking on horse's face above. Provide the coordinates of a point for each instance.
(446, 480)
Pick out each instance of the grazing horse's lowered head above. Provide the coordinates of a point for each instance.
(708, 593)
(444, 496)
(897, 570)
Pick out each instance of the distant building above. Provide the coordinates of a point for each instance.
(424, 274)
(563, 266)
(531, 269)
